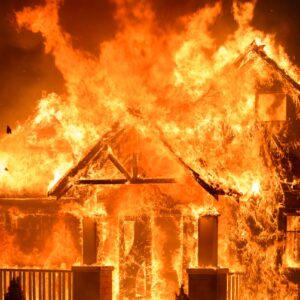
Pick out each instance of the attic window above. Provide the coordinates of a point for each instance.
(271, 107)
(293, 240)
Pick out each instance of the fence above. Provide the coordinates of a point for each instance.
(39, 284)
(234, 286)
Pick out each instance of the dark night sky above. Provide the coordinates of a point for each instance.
(26, 71)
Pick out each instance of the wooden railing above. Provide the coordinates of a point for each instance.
(234, 286)
(39, 284)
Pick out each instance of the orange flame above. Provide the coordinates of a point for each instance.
(175, 83)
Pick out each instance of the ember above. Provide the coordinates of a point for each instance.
(170, 161)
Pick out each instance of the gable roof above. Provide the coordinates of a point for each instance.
(101, 151)
(254, 52)
(98, 153)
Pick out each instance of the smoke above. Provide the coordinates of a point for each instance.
(26, 71)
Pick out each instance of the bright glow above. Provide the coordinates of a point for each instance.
(255, 188)
(3, 170)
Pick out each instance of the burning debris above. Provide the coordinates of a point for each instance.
(8, 130)
(191, 173)
(182, 295)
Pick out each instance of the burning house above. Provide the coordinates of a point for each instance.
(193, 178)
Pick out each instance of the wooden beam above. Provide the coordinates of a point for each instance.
(118, 165)
(101, 181)
(98, 150)
(134, 166)
(125, 181)
(152, 180)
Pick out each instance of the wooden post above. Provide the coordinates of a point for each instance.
(208, 241)
(92, 283)
(89, 241)
(208, 284)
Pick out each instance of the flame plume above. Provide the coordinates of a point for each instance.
(178, 84)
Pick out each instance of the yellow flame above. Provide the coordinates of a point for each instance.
(255, 188)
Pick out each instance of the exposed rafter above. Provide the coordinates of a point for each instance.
(135, 178)
(98, 153)
(126, 181)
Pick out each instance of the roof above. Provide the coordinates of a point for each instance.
(96, 153)
(102, 150)
(99, 152)
(255, 51)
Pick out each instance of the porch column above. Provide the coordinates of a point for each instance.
(89, 241)
(208, 241)
(92, 283)
(208, 281)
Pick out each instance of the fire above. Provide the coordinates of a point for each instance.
(3, 168)
(188, 98)
(58, 173)
(255, 188)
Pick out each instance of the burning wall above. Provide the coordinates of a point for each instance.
(35, 234)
